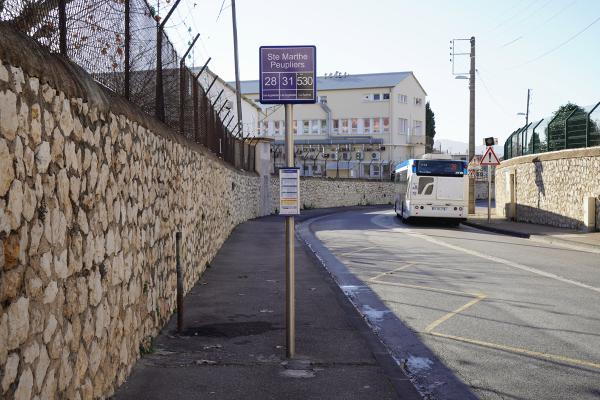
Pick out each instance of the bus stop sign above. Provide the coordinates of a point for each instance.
(288, 74)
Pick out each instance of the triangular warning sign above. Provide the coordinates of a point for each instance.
(490, 157)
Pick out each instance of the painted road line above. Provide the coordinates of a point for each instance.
(499, 260)
(446, 317)
(357, 251)
(518, 350)
(426, 288)
(391, 272)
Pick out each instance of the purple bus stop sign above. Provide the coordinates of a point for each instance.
(288, 74)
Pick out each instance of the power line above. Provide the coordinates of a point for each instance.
(537, 28)
(487, 89)
(552, 50)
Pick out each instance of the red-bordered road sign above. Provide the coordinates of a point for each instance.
(490, 157)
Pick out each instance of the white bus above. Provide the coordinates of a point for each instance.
(434, 186)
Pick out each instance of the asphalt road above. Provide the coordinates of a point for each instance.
(511, 318)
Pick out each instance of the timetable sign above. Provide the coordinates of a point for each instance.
(288, 74)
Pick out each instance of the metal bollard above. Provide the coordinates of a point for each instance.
(179, 282)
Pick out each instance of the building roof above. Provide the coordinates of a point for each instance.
(357, 81)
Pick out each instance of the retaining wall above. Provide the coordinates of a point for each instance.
(550, 188)
(92, 192)
(325, 192)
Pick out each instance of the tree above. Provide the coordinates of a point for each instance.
(563, 112)
(429, 128)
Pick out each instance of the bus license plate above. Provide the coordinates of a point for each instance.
(438, 208)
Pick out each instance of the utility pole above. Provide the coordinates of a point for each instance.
(238, 94)
(527, 112)
(472, 124)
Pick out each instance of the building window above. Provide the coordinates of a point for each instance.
(336, 125)
(354, 125)
(402, 98)
(376, 97)
(344, 126)
(417, 127)
(376, 125)
(418, 101)
(386, 125)
(324, 126)
(402, 125)
(314, 126)
(276, 123)
(367, 97)
(386, 96)
(305, 127)
(295, 127)
(367, 125)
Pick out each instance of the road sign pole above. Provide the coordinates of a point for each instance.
(290, 284)
(489, 170)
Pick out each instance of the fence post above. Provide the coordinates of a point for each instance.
(62, 27)
(195, 108)
(159, 111)
(566, 127)
(533, 136)
(160, 100)
(587, 125)
(127, 49)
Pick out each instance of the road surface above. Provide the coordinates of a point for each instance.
(510, 317)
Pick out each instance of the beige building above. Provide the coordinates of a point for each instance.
(360, 126)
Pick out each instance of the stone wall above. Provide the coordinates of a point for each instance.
(550, 187)
(92, 192)
(324, 192)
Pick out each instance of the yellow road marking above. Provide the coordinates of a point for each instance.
(428, 288)
(392, 271)
(460, 309)
(519, 350)
(358, 251)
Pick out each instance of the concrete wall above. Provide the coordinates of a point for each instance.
(550, 188)
(324, 193)
(92, 192)
(481, 190)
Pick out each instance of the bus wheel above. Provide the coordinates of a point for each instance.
(402, 214)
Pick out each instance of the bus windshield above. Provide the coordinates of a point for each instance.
(440, 168)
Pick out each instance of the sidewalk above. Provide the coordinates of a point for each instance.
(233, 345)
(587, 241)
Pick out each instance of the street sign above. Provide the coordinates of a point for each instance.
(289, 191)
(288, 74)
(490, 157)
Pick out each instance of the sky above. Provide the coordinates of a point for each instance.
(520, 45)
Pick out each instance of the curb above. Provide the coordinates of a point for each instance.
(507, 232)
(439, 382)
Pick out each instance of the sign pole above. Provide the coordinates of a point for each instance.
(290, 319)
(489, 170)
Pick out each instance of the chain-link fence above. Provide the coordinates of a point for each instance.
(117, 42)
(574, 129)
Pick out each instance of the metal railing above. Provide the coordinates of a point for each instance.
(577, 129)
(123, 46)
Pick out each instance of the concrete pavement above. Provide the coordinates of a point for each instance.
(542, 233)
(233, 343)
(510, 317)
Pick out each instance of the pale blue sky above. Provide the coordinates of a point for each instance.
(395, 35)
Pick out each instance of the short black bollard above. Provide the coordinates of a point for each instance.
(179, 283)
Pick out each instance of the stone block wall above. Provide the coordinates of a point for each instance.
(550, 187)
(92, 192)
(324, 192)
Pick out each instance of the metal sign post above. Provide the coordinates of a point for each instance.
(288, 76)
(490, 158)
